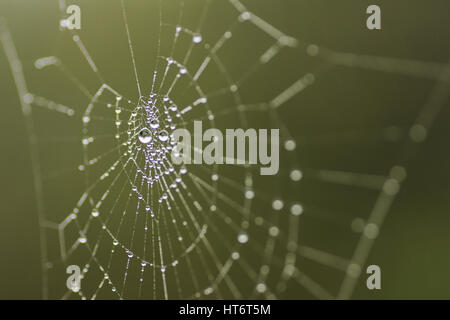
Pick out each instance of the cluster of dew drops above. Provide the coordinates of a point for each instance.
(153, 123)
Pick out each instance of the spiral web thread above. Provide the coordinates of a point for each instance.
(186, 235)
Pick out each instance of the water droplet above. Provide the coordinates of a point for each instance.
(95, 212)
(297, 209)
(154, 124)
(243, 238)
(245, 16)
(290, 145)
(163, 135)
(418, 133)
(277, 204)
(274, 231)
(197, 38)
(145, 135)
(296, 175)
(249, 194)
(75, 288)
(261, 288)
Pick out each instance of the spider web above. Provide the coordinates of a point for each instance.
(142, 227)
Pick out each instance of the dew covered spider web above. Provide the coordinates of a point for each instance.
(110, 200)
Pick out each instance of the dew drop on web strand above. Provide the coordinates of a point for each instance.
(145, 135)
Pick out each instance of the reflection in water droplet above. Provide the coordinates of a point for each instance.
(154, 124)
(163, 135)
(145, 135)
